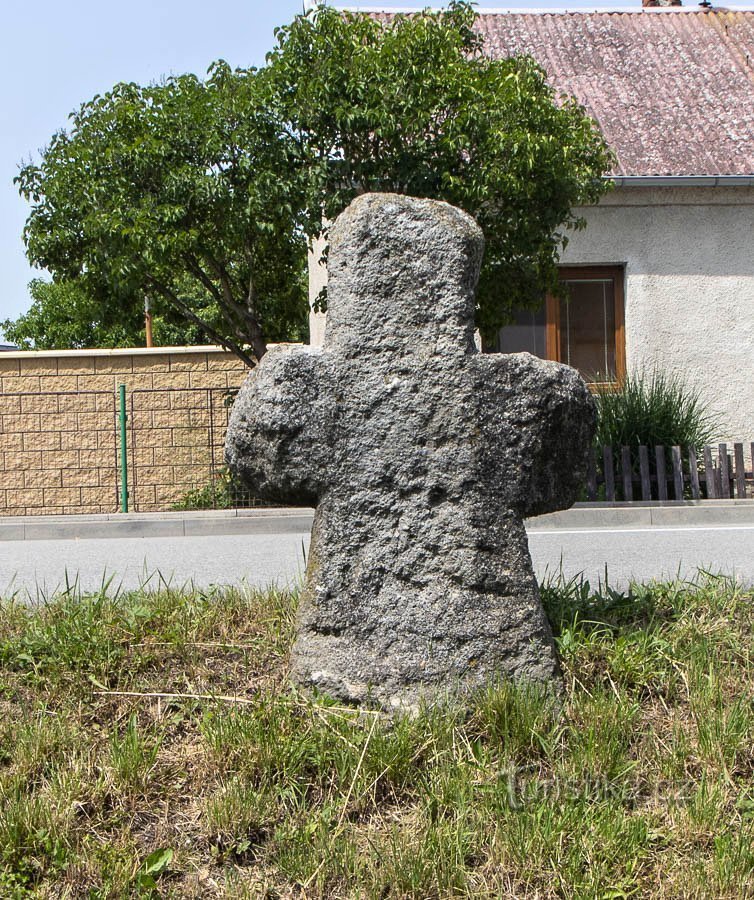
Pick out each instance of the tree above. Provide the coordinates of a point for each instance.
(414, 106)
(187, 191)
(63, 316)
(204, 193)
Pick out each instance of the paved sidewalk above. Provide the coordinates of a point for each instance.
(286, 520)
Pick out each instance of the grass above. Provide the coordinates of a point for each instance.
(151, 746)
(653, 409)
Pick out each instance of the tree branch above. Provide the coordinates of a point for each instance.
(228, 304)
(228, 343)
(256, 330)
(222, 274)
(248, 314)
(199, 273)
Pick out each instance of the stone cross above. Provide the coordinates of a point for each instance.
(422, 457)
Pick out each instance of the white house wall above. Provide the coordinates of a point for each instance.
(688, 255)
(689, 293)
(317, 281)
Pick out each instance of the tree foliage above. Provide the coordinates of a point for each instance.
(414, 106)
(203, 193)
(63, 316)
(185, 191)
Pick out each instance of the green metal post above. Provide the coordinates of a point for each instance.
(123, 451)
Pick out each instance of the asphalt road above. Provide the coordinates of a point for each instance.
(37, 568)
(645, 553)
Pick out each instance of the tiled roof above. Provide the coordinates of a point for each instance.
(673, 92)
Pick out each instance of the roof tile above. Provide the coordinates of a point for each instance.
(672, 91)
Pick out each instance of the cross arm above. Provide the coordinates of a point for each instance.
(279, 434)
(538, 419)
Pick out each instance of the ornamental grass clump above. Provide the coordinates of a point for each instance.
(653, 409)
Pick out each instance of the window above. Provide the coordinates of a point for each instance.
(527, 332)
(584, 328)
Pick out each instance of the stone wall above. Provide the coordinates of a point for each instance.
(59, 440)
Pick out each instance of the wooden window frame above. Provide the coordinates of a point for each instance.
(552, 313)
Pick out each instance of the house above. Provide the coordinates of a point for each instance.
(663, 274)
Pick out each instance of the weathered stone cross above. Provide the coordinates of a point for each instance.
(422, 457)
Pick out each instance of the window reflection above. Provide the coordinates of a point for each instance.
(526, 334)
(587, 327)
(583, 327)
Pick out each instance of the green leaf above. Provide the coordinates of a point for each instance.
(157, 862)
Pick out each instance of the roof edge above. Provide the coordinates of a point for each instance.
(681, 180)
(566, 10)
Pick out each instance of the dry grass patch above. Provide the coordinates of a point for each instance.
(150, 745)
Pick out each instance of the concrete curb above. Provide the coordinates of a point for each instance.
(283, 520)
(149, 525)
(679, 514)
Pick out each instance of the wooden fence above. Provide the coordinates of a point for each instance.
(669, 473)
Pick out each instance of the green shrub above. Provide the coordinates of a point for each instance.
(654, 410)
(224, 491)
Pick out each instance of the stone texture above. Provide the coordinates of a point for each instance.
(422, 456)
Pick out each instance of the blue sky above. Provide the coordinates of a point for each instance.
(54, 56)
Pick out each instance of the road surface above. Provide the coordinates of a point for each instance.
(38, 568)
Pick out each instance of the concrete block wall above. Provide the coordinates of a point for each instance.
(58, 426)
